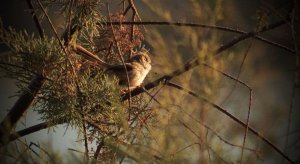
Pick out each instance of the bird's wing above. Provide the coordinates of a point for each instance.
(120, 68)
(119, 71)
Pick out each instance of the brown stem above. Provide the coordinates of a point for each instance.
(32, 129)
(195, 62)
(99, 147)
(19, 108)
(267, 141)
(123, 62)
(26, 99)
(198, 25)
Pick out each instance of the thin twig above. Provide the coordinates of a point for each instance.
(22, 104)
(247, 125)
(99, 147)
(261, 136)
(52, 27)
(216, 134)
(56, 35)
(134, 13)
(239, 73)
(71, 149)
(25, 100)
(33, 129)
(38, 146)
(85, 139)
(69, 20)
(192, 131)
(195, 62)
(152, 97)
(123, 62)
(209, 158)
(35, 19)
(296, 76)
(227, 75)
(198, 25)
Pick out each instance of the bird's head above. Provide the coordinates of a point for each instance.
(142, 58)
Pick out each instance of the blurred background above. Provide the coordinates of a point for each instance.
(268, 70)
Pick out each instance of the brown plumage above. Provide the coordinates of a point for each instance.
(137, 67)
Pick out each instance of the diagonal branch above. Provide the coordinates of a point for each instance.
(35, 19)
(198, 25)
(261, 136)
(123, 62)
(33, 129)
(26, 99)
(195, 62)
(19, 108)
(296, 74)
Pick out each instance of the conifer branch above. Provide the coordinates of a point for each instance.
(33, 129)
(19, 108)
(26, 99)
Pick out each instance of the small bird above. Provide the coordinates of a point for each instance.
(138, 66)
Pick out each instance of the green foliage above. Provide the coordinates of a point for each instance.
(165, 125)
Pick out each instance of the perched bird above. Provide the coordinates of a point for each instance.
(138, 66)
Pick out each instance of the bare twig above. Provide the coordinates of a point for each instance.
(52, 27)
(193, 63)
(32, 129)
(18, 67)
(123, 62)
(35, 19)
(201, 142)
(196, 62)
(38, 146)
(218, 135)
(261, 136)
(251, 34)
(208, 152)
(152, 97)
(239, 73)
(20, 107)
(71, 149)
(85, 140)
(69, 20)
(198, 25)
(99, 147)
(296, 75)
(247, 125)
(26, 98)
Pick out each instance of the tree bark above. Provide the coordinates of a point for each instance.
(20, 107)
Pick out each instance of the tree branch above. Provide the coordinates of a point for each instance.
(198, 25)
(20, 107)
(195, 62)
(267, 141)
(27, 97)
(32, 129)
